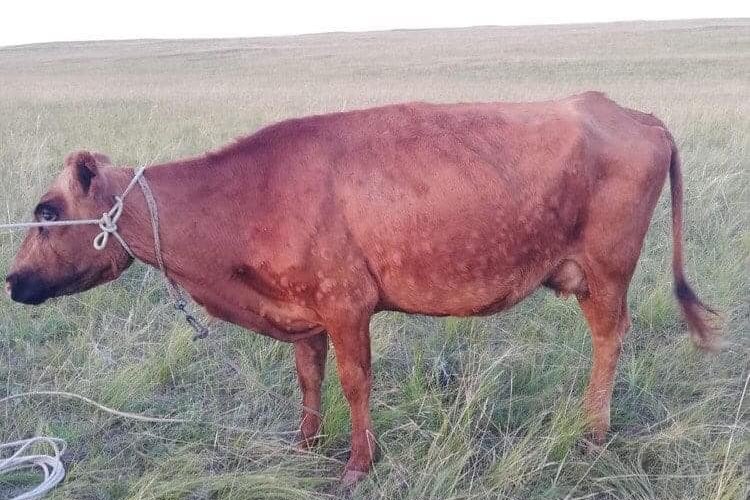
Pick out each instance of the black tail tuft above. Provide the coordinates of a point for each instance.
(698, 316)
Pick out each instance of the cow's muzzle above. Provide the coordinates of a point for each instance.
(27, 288)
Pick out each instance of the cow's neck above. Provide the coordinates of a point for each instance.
(185, 219)
(201, 244)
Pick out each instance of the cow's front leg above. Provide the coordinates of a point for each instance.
(310, 359)
(352, 346)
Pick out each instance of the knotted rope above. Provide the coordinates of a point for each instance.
(108, 225)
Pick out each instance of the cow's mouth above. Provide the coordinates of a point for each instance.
(31, 289)
(28, 288)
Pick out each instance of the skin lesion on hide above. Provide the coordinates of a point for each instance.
(256, 280)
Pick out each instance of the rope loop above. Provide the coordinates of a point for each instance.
(108, 224)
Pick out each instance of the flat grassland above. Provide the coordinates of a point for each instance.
(464, 408)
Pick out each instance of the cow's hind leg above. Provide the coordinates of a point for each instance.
(606, 312)
(310, 359)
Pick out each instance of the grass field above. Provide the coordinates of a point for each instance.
(463, 408)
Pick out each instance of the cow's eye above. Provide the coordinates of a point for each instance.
(47, 214)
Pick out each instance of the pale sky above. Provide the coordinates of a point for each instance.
(32, 21)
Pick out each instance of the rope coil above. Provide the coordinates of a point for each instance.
(51, 465)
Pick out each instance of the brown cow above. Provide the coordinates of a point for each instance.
(305, 229)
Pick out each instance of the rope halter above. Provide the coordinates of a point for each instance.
(108, 221)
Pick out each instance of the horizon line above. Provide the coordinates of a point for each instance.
(366, 31)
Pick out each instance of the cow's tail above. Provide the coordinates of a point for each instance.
(698, 316)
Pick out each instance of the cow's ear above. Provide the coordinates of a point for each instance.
(102, 160)
(84, 169)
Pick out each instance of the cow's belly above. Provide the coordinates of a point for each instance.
(452, 295)
(477, 264)
(457, 277)
(471, 248)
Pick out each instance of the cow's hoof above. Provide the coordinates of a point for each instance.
(352, 477)
(591, 447)
(592, 443)
(304, 443)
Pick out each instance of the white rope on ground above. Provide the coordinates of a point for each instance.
(51, 465)
(146, 418)
(59, 444)
(105, 409)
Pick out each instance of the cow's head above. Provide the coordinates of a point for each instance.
(61, 260)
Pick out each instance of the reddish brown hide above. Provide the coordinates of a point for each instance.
(305, 229)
